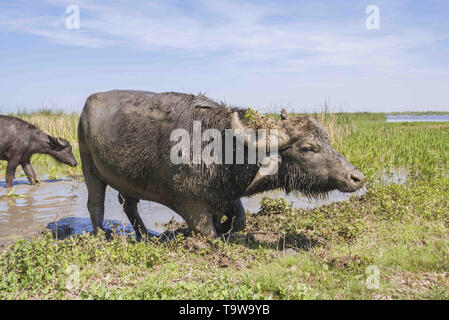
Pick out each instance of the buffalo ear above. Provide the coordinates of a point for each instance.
(284, 114)
(61, 142)
(58, 142)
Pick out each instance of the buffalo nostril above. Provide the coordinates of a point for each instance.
(357, 177)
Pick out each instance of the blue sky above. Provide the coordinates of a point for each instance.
(264, 54)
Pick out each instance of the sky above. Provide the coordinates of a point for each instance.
(262, 54)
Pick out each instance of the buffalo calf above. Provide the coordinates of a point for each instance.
(19, 140)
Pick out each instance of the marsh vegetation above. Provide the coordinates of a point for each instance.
(399, 230)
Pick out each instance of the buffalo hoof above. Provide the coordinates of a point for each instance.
(34, 181)
(147, 236)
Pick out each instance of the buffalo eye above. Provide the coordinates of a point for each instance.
(307, 149)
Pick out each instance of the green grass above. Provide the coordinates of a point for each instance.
(416, 147)
(398, 230)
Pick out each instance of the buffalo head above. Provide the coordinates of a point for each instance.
(307, 162)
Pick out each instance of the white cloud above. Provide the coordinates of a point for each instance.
(242, 33)
(243, 39)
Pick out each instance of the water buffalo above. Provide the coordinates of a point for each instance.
(19, 140)
(125, 142)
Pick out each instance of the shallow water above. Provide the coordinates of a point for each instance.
(397, 176)
(421, 118)
(61, 204)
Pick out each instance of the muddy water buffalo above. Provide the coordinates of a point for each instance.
(125, 142)
(19, 140)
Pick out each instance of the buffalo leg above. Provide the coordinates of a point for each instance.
(236, 219)
(130, 207)
(95, 202)
(206, 227)
(96, 190)
(31, 175)
(11, 172)
(200, 221)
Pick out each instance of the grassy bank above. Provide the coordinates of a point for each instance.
(391, 243)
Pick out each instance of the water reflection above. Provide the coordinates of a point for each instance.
(61, 205)
(54, 200)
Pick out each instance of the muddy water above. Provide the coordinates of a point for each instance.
(61, 204)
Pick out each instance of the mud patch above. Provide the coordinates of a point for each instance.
(353, 262)
(408, 283)
(265, 236)
(281, 241)
(207, 251)
(196, 246)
